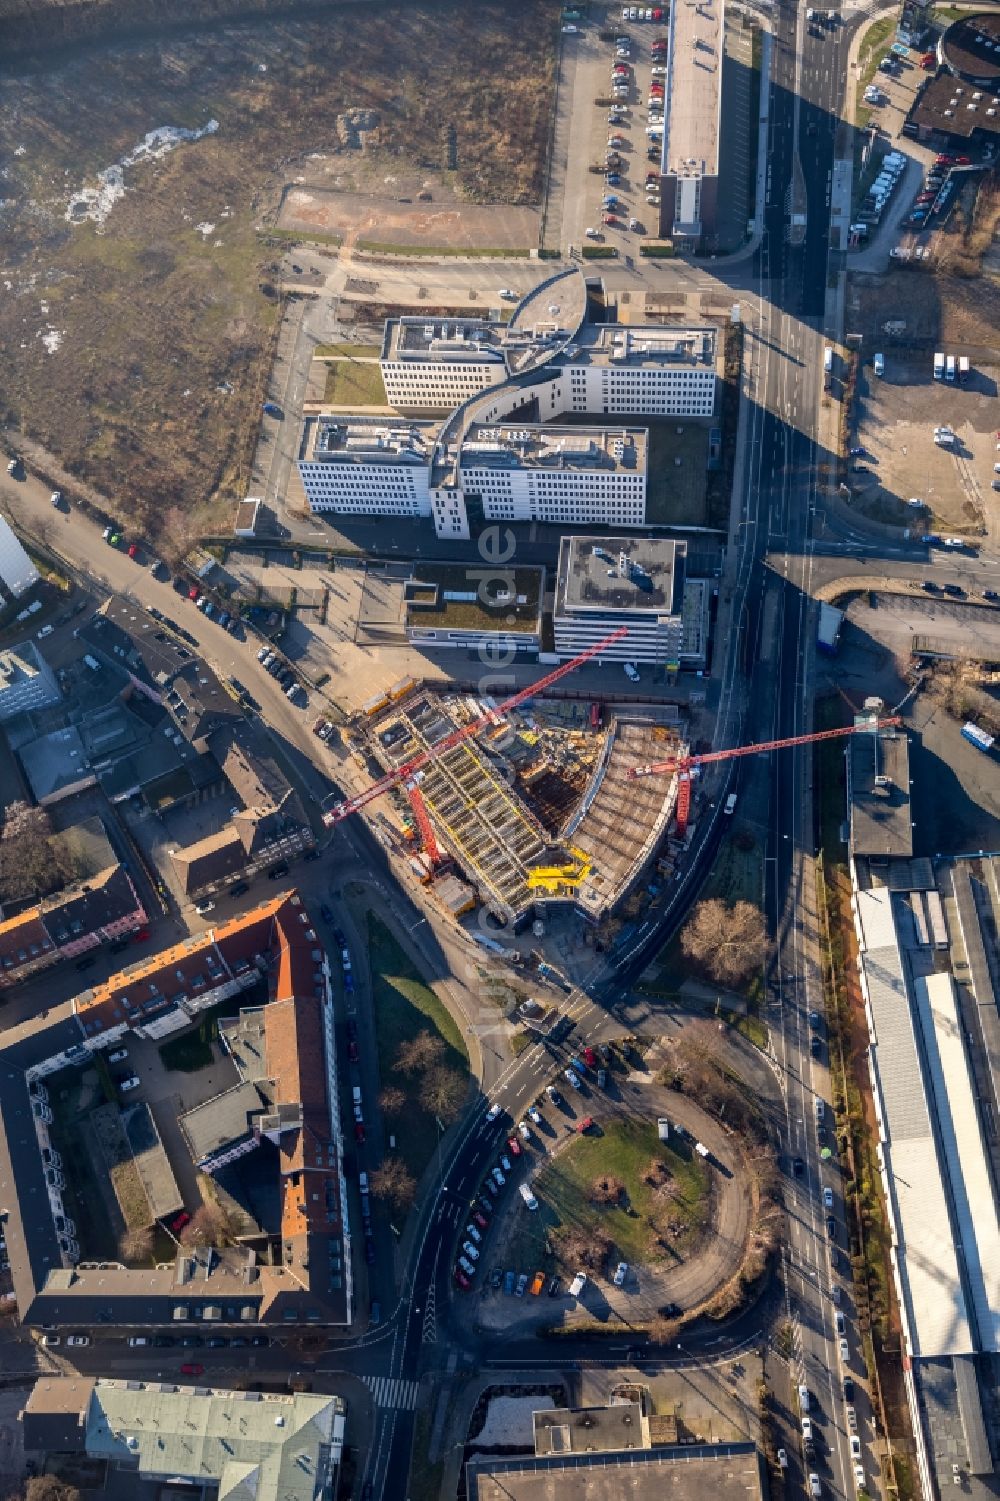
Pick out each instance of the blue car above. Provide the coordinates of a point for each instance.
(325, 913)
(508, 1283)
(614, 179)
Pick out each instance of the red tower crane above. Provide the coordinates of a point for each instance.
(423, 822)
(685, 765)
(343, 810)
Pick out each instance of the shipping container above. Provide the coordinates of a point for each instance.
(977, 737)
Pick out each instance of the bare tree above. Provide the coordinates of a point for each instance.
(394, 1183)
(607, 1190)
(206, 1227)
(727, 943)
(585, 1248)
(442, 1092)
(392, 1101)
(420, 1053)
(136, 1244)
(32, 861)
(49, 1488)
(664, 1331)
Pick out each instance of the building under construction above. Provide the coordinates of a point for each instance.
(481, 800)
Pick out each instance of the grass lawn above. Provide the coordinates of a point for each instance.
(187, 1053)
(347, 351)
(624, 1150)
(404, 1006)
(354, 383)
(193, 1050)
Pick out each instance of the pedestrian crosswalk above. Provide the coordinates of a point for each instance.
(393, 1391)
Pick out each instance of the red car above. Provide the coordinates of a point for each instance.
(142, 936)
(352, 1052)
(178, 1224)
(191, 1368)
(462, 1279)
(133, 551)
(656, 89)
(590, 1057)
(359, 1133)
(657, 14)
(193, 593)
(609, 219)
(944, 160)
(584, 1126)
(480, 1219)
(964, 161)
(514, 1145)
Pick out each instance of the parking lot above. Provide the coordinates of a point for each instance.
(587, 78)
(896, 418)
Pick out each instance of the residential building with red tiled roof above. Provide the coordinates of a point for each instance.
(101, 907)
(284, 1054)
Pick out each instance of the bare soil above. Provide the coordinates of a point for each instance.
(137, 350)
(382, 219)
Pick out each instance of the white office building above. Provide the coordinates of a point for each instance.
(604, 583)
(613, 369)
(434, 365)
(17, 571)
(572, 475)
(367, 466)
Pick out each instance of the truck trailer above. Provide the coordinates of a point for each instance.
(828, 628)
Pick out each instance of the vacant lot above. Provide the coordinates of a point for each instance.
(896, 417)
(404, 1006)
(383, 219)
(138, 336)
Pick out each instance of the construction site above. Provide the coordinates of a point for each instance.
(535, 808)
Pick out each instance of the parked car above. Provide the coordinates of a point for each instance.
(192, 1368)
(522, 1283)
(131, 1081)
(572, 1077)
(77, 1341)
(462, 1280)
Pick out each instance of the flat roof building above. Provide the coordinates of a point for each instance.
(693, 104)
(27, 682)
(570, 475)
(367, 466)
(450, 606)
(878, 790)
(699, 1472)
(604, 583)
(17, 572)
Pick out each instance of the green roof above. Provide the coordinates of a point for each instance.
(478, 597)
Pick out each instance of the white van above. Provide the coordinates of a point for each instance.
(730, 804)
(578, 1284)
(804, 1398)
(530, 1201)
(592, 234)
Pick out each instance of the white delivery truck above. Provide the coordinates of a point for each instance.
(949, 369)
(939, 366)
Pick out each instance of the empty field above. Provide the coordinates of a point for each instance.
(140, 298)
